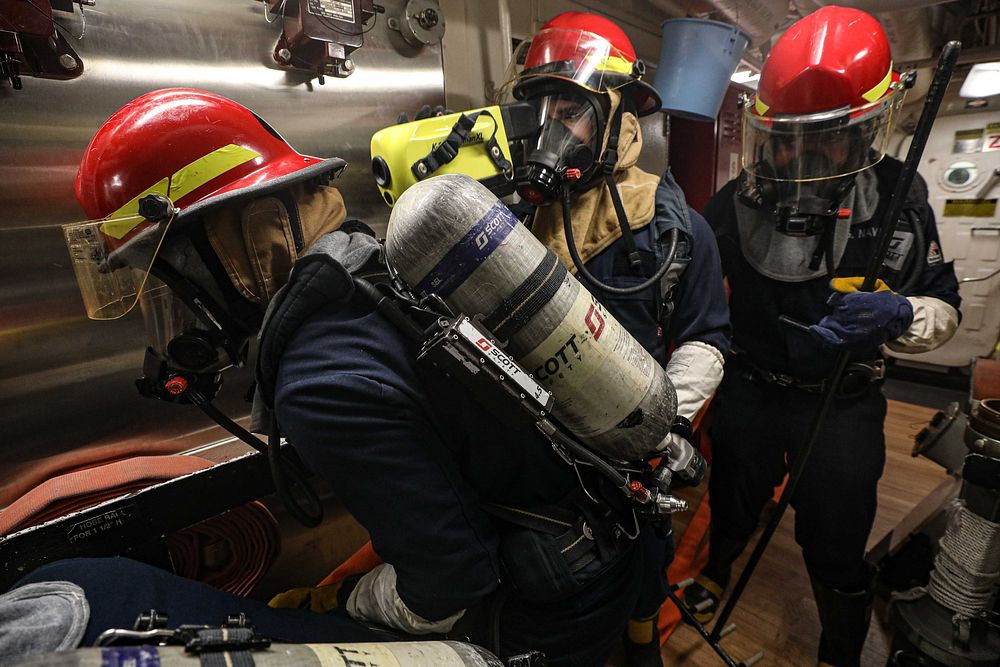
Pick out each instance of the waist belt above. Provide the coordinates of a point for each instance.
(573, 535)
(857, 377)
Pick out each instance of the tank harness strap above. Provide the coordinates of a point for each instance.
(531, 295)
(448, 149)
(223, 647)
(571, 532)
(608, 168)
(227, 659)
(669, 247)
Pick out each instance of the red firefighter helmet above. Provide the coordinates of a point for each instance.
(827, 87)
(832, 58)
(590, 51)
(188, 145)
(197, 149)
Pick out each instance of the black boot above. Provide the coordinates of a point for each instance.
(702, 597)
(642, 643)
(845, 617)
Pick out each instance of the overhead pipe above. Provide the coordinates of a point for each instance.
(870, 6)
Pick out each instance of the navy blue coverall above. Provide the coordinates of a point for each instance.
(414, 458)
(758, 424)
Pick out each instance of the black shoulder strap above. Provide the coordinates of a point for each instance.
(666, 299)
(449, 148)
(672, 239)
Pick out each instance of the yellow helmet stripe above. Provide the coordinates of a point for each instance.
(184, 181)
(759, 106)
(880, 88)
(615, 64)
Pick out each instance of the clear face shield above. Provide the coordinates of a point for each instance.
(113, 261)
(566, 149)
(582, 58)
(802, 167)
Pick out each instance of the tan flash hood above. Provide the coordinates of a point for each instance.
(256, 244)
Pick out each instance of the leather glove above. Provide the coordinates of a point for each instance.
(423, 112)
(320, 599)
(862, 321)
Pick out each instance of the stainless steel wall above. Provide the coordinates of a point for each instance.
(66, 382)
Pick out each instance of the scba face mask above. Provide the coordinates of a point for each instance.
(566, 151)
(801, 168)
(798, 208)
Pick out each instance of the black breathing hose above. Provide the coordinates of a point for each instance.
(582, 271)
(279, 467)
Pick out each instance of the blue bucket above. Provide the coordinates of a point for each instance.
(697, 59)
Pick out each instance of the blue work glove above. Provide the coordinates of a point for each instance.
(861, 321)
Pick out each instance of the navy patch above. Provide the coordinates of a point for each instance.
(899, 248)
(934, 254)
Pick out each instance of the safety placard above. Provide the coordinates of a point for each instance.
(342, 10)
(968, 141)
(992, 140)
(969, 208)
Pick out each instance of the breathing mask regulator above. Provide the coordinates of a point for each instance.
(573, 123)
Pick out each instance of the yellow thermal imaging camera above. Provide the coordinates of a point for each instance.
(478, 143)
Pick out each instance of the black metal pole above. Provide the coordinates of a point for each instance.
(942, 75)
(691, 620)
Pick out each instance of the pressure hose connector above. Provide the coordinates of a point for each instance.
(668, 504)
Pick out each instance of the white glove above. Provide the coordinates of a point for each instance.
(695, 370)
(934, 323)
(375, 600)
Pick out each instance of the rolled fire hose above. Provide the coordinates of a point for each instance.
(231, 551)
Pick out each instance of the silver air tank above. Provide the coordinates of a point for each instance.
(390, 654)
(449, 235)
